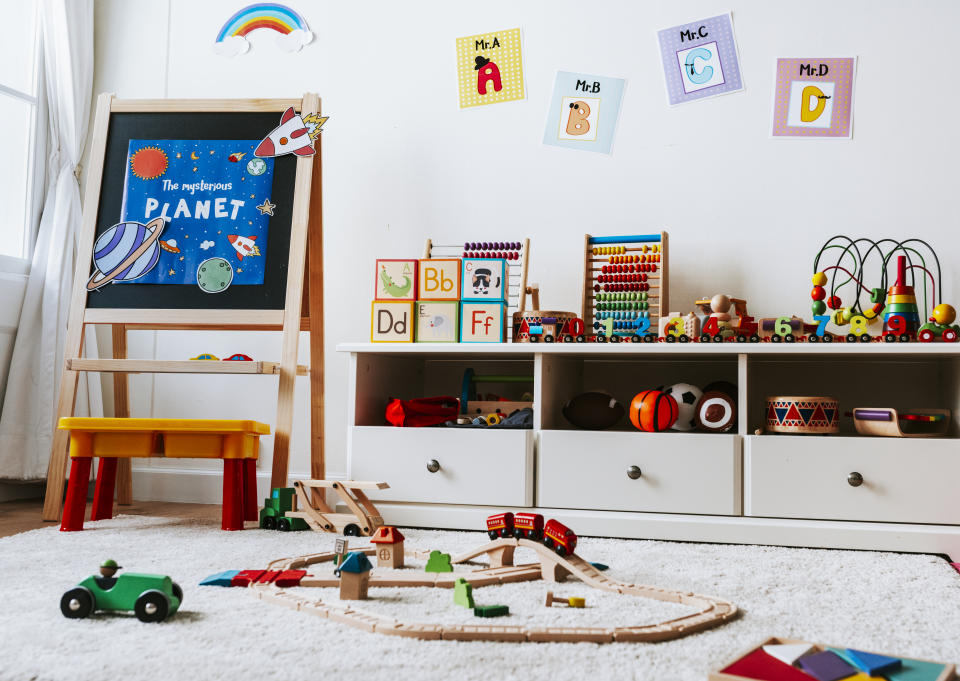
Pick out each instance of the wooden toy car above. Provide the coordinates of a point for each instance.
(207, 356)
(310, 505)
(239, 357)
(151, 597)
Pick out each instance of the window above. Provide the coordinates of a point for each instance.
(19, 76)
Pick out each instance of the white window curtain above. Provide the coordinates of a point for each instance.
(30, 401)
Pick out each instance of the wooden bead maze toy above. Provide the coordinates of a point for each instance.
(517, 255)
(625, 284)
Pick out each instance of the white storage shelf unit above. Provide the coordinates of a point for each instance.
(736, 487)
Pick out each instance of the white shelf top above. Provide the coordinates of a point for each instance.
(640, 349)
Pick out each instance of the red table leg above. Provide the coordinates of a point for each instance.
(103, 490)
(250, 506)
(76, 503)
(232, 494)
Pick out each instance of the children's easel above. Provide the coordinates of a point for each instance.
(302, 297)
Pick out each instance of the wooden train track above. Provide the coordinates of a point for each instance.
(711, 612)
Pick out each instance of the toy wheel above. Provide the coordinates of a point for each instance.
(548, 542)
(754, 338)
(851, 338)
(284, 525)
(536, 535)
(704, 338)
(548, 338)
(560, 550)
(178, 592)
(581, 339)
(534, 339)
(269, 523)
(717, 338)
(568, 338)
(614, 339)
(949, 336)
(741, 338)
(636, 339)
(76, 603)
(776, 339)
(813, 338)
(152, 606)
(904, 338)
(649, 338)
(517, 533)
(684, 338)
(889, 338)
(827, 338)
(925, 336)
(492, 534)
(670, 338)
(865, 338)
(351, 530)
(789, 338)
(503, 533)
(601, 338)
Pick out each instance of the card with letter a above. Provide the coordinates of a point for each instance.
(490, 68)
(814, 97)
(583, 112)
(700, 59)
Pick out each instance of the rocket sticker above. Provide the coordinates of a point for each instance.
(292, 136)
(244, 245)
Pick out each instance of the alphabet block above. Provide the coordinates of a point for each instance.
(437, 321)
(391, 322)
(485, 279)
(482, 322)
(396, 280)
(439, 279)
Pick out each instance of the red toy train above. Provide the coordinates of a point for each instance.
(552, 534)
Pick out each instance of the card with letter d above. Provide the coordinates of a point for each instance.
(814, 97)
(583, 112)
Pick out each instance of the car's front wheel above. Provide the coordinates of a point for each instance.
(178, 592)
(152, 606)
(76, 603)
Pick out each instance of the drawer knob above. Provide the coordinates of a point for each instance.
(634, 472)
(433, 465)
(854, 479)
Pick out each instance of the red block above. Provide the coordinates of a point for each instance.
(758, 665)
(76, 502)
(289, 578)
(246, 577)
(268, 576)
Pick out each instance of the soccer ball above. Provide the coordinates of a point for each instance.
(687, 397)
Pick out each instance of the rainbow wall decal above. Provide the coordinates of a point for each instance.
(293, 30)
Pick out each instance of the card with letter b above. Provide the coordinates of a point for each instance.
(391, 322)
(439, 279)
(482, 322)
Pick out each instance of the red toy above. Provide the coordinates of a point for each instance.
(652, 411)
(528, 526)
(559, 537)
(500, 525)
(239, 357)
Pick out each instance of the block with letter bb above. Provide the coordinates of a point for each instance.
(484, 279)
(439, 279)
(437, 321)
(396, 280)
(482, 322)
(391, 322)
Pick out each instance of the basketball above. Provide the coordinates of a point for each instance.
(652, 411)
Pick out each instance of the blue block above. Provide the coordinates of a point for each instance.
(600, 566)
(873, 664)
(221, 578)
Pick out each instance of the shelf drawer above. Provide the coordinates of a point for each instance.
(483, 467)
(679, 472)
(904, 480)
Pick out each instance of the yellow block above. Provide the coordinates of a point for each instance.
(902, 298)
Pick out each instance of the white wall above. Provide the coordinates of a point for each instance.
(745, 213)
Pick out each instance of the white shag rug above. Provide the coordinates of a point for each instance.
(902, 604)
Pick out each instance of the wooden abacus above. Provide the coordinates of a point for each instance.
(625, 279)
(517, 255)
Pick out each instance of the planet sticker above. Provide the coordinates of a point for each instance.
(126, 251)
(256, 166)
(214, 275)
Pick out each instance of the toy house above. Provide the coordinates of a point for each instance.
(389, 542)
(354, 575)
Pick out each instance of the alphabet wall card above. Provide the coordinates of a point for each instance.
(208, 192)
(485, 279)
(490, 68)
(482, 322)
(437, 321)
(391, 322)
(700, 59)
(584, 110)
(814, 97)
(439, 279)
(396, 280)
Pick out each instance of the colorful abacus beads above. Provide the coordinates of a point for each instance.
(620, 250)
(508, 250)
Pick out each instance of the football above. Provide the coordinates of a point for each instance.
(593, 411)
(687, 397)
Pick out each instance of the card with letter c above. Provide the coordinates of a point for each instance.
(700, 59)
(583, 112)
(814, 97)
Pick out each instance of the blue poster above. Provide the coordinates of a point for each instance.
(214, 196)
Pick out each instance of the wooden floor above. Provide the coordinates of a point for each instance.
(23, 515)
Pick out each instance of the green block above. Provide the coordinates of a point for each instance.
(438, 562)
(912, 670)
(491, 610)
(463, 593)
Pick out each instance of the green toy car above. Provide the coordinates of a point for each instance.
(151, 597)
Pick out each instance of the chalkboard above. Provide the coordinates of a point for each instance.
(200, 126)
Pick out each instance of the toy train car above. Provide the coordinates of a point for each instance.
(554, 535)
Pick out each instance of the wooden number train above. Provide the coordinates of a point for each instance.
(552, 534)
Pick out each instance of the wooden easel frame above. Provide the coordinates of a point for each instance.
(303, 307)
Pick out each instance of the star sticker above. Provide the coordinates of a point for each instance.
(266, 208)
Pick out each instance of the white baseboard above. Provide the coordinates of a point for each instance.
(193, 486)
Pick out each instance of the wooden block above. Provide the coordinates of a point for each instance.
(430, 632)
(485, 279)
(387, 579)
(351, 619)
(788, 652)
(396, 280)
(482, 322)
(317, 608)
(437, 321)
(320, 581)
(589, 634)
(481, 580)
(439, 279)
(391, 322)
(468, 632)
